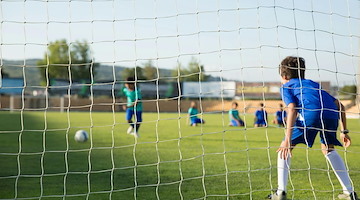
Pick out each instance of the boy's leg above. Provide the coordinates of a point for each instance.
(138, 120)
(241, 122)
(192, 122)
(339, 169)
(329, 140)
(199, 121)
(283, 167)
(129, 114)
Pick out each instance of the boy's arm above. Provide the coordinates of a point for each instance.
(130, 106)
(188, 117)
(343, 126)
(285, 147)
(341, 109)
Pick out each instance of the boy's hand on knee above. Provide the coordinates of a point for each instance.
(345, 138)
(285, 149)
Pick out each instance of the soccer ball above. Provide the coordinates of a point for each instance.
(81, 136)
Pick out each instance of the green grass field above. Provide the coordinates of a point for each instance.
(39, 158)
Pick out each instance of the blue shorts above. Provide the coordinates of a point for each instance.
(130, 113)
(196, 121)
(280, 122)
(307, 135)
(235, 122)
(260, 122)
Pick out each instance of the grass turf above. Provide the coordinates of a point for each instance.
(171, 160)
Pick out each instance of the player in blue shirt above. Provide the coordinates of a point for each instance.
(193, 112)
(310, 110)
(280, 117)
(133, 106)
(260, 117)
(234, 116)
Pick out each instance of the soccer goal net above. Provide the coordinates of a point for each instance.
(153, 83)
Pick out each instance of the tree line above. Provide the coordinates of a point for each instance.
(64, 61)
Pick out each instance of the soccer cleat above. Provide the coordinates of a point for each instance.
(129, 130)
(275, 196)
(352, 196)
(135, 134)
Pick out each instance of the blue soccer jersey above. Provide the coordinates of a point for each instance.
(310, 100)
(280, 115)
(261, 115)
(317, 110)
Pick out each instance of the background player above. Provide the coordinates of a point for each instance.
(133, 106)
(234, 116)
(192, 113)
(310, 110)
(280, 116)
(261, 117)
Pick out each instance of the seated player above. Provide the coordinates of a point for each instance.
(280, 117)
(260, 117)
(234, 116)
(193, 112)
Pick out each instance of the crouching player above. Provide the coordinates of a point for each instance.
(133, 106)
(280, 117)
(261, 117)
(193, 112)
(234, 116)
(310, 110)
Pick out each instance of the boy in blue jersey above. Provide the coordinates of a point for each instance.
(310, 110)
(234, 116)
(261, 117)
(133, 106)
(280, 117)
(193, 112)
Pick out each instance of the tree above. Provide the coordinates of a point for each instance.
(194, 71)
(180, 72)
(83, 66)
(149, 71)
(61, 59)
(130, 72)
(349, 90)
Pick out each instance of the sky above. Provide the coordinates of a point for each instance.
(235, 39)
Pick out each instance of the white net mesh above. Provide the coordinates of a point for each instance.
(73, 56)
